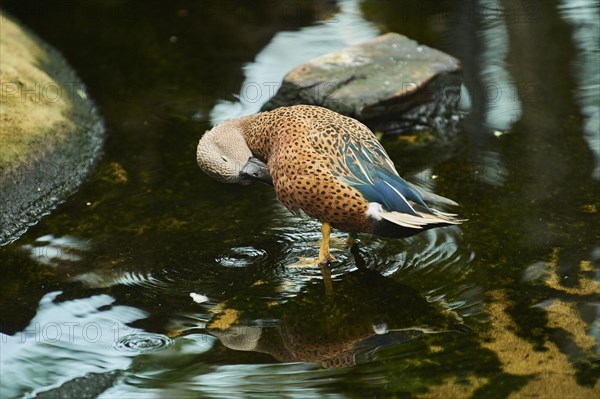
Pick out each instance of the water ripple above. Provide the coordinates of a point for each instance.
(143, 342)
(241, 256)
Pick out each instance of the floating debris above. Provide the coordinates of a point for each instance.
(198, 298)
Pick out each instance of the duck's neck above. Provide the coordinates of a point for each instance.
(258, 130)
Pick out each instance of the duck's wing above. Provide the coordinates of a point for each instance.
(362, 163)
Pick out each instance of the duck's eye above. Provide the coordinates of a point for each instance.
(224, 158)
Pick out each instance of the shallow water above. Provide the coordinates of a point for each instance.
(97, 295)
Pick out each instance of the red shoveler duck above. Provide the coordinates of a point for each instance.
(327, 165)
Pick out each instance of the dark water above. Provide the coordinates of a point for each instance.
(96, 298)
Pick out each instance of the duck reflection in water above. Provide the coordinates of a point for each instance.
(338, 328)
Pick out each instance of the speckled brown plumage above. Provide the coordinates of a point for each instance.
(328, 165)
(303, 145)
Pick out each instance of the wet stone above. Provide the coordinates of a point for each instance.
(50, 133)
(89, 386)
(391, 83)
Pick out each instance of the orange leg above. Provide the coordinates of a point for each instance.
(325, 257)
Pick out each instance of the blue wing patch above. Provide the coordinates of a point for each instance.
(371, 172)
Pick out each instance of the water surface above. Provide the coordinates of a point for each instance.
(97, 295)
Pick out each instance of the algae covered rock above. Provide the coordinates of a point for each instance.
(391, 83)
(50, 132)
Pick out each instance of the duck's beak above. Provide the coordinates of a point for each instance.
(255, 169)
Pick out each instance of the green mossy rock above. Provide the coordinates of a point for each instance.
(50, 132)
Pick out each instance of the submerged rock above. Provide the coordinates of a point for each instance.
(390, 83)
(89, 386)
(51, 133)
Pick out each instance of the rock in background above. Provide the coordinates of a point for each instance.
(390, 83)
(50, 132)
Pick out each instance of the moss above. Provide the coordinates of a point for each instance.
(33, 105)
(50, 132)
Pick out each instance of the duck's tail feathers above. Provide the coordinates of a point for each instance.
(431, 197)
(421, 222)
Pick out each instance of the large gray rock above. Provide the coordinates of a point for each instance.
(390, 83)
(50, 132)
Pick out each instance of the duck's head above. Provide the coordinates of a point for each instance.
(223, 154)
